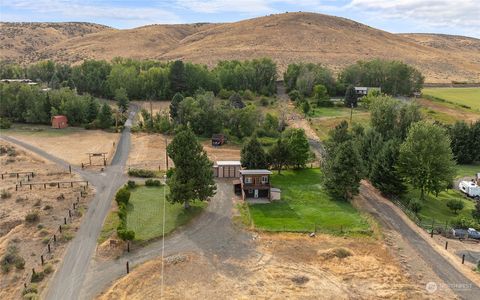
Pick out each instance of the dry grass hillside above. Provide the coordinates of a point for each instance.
(18, 40)
(287, 38)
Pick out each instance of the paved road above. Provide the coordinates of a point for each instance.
(390, 218)
(212, 234)
(68, 279)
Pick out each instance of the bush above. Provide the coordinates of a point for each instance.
(5, 123)
(325, 103)
(264, 101)
(5, 194)
(48, 269)
(122, 196)
(131, 184)
(126, 235)
(225, 94)
(455, 205)
(248, 95)
(37, 276)
(141, 173)
(170, 172)
(152, 182)
(295, 95)
(12, 258)
(415, 206)
(464, 223)
(32, 217)
(31, 296)
(31, 289)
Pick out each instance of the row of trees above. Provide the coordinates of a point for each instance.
(150, 79)
(29, 104)
(290, 150)
(393, 77)
(465, 141)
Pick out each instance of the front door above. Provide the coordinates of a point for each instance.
(255, 194)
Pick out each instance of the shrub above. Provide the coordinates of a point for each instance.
(141, 173)
(224, 94)
(32, 217)
(248, 95)
(31, 289)
(325, 103)
(10, 258)
(264, 101)
(455, 205)
(47, 207)
(152, 182)
(170, 172)
(464, 223)
(19, 263)
(122, 196)
(126, 235)
(295, 95)
(5, 123)
(48, 269)
(31, 296)
(37, 276)
(5, 194)
(131, 184)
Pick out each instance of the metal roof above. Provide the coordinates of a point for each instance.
(255, 172)
(228, 163)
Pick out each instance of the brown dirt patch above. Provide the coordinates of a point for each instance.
(51, 205)
(286, 266)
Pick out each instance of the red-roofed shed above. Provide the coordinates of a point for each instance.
(59, 122)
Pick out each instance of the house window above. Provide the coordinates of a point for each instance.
(248, 179)
(264, 179)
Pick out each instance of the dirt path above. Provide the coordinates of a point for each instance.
(212, 234)
(392, 219)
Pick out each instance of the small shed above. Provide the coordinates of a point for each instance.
(59, 122)
(227, 169)
(218, 139)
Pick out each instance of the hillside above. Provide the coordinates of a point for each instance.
(20, 39)
(289, 37)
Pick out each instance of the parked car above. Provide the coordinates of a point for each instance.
(460, 233)
(473, 234)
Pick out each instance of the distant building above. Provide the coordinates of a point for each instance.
(59, 122)
(24, 80)
(363, 90)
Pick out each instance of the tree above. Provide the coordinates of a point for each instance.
(176, 100)
(122, 99)
(384, 174)
(384, 116)
(462, 141)
(92, 110)
(350, 96)
(369, 147)
(105, 116)
(476, 212)
(426, 160)
(192, 178)
(178, 78)
(320, 94)
(279, 155)
(306, 108)
(298, 146)
(455, 205)
(252, 155)
(343, 171)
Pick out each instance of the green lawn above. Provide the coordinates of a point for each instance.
(146, 210)
(305, 205)
(467, 170)
(435, 208)
(323, 126)
(462, 96)
(319, 112)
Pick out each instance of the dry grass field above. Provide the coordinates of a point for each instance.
(71, 144)
(285, 265)
(332, 41)
(30, 236)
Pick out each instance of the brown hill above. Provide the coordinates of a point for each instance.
(290, 37)
(20, 39)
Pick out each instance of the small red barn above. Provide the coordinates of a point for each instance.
(59, 122)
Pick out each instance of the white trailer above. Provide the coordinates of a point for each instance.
(470, 188)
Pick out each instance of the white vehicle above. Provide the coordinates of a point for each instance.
(470, 188)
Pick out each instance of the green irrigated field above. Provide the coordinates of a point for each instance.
(145, 213)
(462, 96)
(305, 206)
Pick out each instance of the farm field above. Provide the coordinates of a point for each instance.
(304, 206)
(70, 144)
(462, 96)
(145, 213)
(30, 217)
(446, 112)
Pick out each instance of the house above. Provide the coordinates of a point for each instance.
(218, 139)
(24, 81)
(59, 122)
(255, 184)
(227, 169)
(363, 90)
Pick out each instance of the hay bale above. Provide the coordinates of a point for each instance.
(339, 252)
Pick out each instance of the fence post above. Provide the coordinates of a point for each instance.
(70, 168)
(128, 246)
(65, 221)
(55, 237)
(33, 270)
(446, 245)
(41, 258)
(128, 268)
(60, 228)
(463, 259)
(69, 213)
(49, 250)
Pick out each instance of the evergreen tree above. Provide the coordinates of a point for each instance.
(252, 155)
(337, 136)
(343, 171)
(369, 148)
(192, 178)
(426, 160)
(122, 99)
(384, 174)
(105, 116)
(306, 108)
(279, 155)
(178, 77)
(462, 141)
(350, 97)
(92, 110)
(174, 105)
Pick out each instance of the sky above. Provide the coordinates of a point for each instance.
(461, 17)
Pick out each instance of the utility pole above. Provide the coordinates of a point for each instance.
(166, 154)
